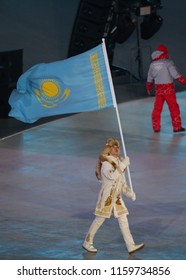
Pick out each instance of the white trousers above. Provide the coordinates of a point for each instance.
(124, 227)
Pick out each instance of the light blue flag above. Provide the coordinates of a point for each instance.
(77, 84)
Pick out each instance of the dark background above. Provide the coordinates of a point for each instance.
(43, 30)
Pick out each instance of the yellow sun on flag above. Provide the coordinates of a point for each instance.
(50, 93)
(50, 89)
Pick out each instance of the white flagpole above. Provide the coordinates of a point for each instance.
(116, 107)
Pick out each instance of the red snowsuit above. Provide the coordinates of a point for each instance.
(162, 73)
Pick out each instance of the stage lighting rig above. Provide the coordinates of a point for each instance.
(136, 5)
(139, 15)
(151, 21)
(148, 7)
(128, 13)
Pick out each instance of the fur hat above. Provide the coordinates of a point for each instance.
(110, 143)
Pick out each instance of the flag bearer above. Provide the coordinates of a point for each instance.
(110, 171)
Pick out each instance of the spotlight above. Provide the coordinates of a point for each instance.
(125, 28)
(150, 25)
(143, 11)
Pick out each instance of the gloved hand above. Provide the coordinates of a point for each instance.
(125, 162)
(131, 194)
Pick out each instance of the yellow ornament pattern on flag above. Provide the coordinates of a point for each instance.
(50, 93)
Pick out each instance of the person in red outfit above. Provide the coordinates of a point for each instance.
(161, 74)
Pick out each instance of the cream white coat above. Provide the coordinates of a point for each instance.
(113, 184)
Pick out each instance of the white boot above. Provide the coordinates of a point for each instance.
(89, 247)
(134, 248)
(88, 243)
(127, 236)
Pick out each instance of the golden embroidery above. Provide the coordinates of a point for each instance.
(103, 212)
(118, 201)
(88, 238)
(108, 201)
(99, 205)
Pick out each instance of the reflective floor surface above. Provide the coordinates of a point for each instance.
(49, 190)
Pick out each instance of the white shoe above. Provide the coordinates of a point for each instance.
(89, 247)
(134, 248)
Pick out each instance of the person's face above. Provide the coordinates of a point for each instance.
(114, 151)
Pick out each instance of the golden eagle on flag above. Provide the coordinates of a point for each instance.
(77, 84)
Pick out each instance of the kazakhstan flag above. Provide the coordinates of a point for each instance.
(77, 84)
